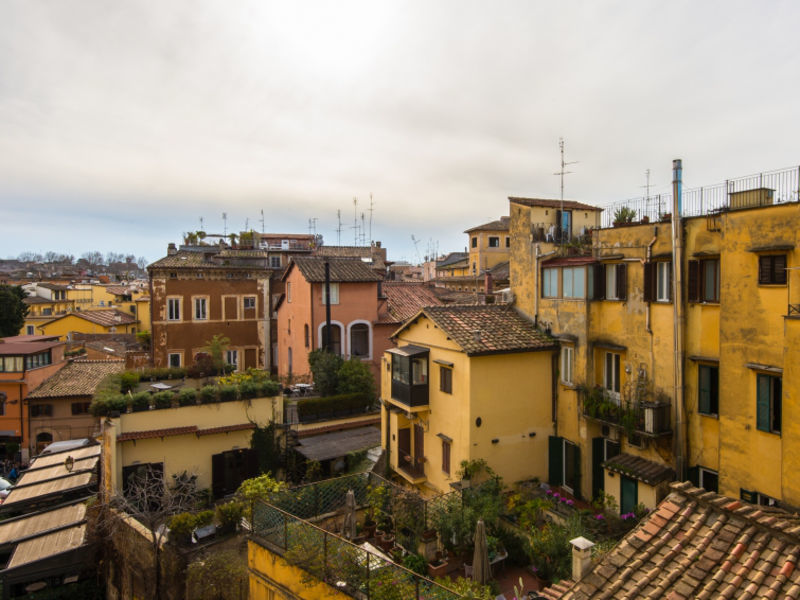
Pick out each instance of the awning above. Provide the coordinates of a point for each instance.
(651, 473)
(340, 443)
(409, 350)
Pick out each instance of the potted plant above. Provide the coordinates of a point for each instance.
(181, 527)
(439, 567)
(229, 515)
(624, 215)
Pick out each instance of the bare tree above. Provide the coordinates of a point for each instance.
(152, 502)
(142, 262)
(50, 257)
(93, 258)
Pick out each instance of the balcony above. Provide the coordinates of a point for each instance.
(648, 418)
(410, 376)
(409, 394)
(413, 468)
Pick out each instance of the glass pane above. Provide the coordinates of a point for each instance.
(419, 370)
(579, 277)
(611, 281)
(567, 274)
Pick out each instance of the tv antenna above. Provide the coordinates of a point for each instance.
(312, 226)
(262, 220)
(416, 248)
(371, 209)
(225, 224)
(563, 172)
(201, 223)
(355, 221)
(339, 228)
(647, 187)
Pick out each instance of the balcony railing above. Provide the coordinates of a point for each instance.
(410, 394)
(412, 466)
(646, 418)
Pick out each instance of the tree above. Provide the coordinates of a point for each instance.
(257, 488)
(216, 347)
(355, 378)
(12, 310)
(219, 576)
(94, 259)
(141, 262)
(325, 370)
(151, 502)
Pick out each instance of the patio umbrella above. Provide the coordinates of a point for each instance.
(349, 525)
(480, 558)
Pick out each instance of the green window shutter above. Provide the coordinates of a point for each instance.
(555, 460)
(779, 268)
(694, 476)
(650, 282)
(704, 388)
(762, 403)
(577, 487)
(598, 473)
(693, 282)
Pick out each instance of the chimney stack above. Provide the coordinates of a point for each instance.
(581, 557)
(488, 283)
(172, 250)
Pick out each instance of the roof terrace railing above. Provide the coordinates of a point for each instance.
(777, 187)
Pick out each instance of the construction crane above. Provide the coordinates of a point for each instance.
(416, 248)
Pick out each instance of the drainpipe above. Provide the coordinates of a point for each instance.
(648, 254)
(679, 320)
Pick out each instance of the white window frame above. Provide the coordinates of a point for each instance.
(611, 281)
(342, 329)
(334, 293)
(701, 471)
(200, 302)
(232, 354)
(368, 356)
(180, 359)
(549, 282)
(567, 364)
(248, 300)
(174, 308)
(571, 273)
(275, 262)
(663, 280)
(30, 330)
(612, 386)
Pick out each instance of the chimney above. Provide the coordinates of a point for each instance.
(581, 557)
(488, 283)
(171, 249)
(476, 335)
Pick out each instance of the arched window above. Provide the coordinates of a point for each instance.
(305, 334)
(336, 337)
(359, 340)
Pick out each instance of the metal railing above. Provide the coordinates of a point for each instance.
(650, 418)
(778, 187)
(411, 465)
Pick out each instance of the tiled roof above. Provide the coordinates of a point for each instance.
(225, 429)
(499, 273)
(652, 473)
(453, 257)
(118, 290)
(8, 348)
(52, 286)
(38, 300)
(211, 257)
(558, 261)
(342, 269)
(106, 317)
(500, 225)
(156, 433)
(79, 378)
(545, 203)
(488, 329)
(699, 544)
(405, 299)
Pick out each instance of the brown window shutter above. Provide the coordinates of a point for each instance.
(649, 282)
(599, 282)
(779, 268)
(764, 269)
(693, 283)
(622, 282)
(670, 284)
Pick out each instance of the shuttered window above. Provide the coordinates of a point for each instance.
(616, 282)
(704, 280)
(708, 390)
(772, 269)
(446, 456)
(768, 403)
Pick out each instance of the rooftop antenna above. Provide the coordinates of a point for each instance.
(355, 221)
(371, 209)
(262, 220)
(416, 248)
(312, 226)
(562, 172)
(647, 187)
(246, 223)
(201, 224)
(339, 228)
(225, 224)
(363, 231)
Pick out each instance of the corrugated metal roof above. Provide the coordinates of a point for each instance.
(16, 529)
(47, 545)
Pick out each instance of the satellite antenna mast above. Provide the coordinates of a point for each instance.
(647, 187)
(355, 221)
(246, 223)
(225, 224)
(339, 228)
(312, 226)
(416, 248)
(201, 223)
(262, 220)
(363, 231)
(371, 209)
(563, 172)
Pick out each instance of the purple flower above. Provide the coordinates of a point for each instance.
(549, 492)
(570, 502)
(556, 495)
(599, 517)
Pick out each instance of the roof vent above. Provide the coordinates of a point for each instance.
(476, 335)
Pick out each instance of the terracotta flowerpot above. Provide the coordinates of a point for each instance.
(439, 569)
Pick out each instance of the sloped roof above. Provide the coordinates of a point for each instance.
(79, 378)
(452, 258)
(652, 473)
(500, 224)
(547, 203)
(108, 317)
(12, 530)
(52, 286)
(488, 329)
(699, 544)
(27, 347)
(341, 269)
(39, 300)
(405, 299)
(119, 290)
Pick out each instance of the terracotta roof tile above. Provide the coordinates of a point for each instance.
(710, 547)
(547, 203)
(499, 225)
(639, 468)
(79, 378)
(225, 429)
(106, 317)
(341, 269)
(488, 328)
(405, 299)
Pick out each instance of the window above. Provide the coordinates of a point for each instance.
(289, 292)
(80, 408)
(419, 371)
(708, 390)
(708, 479)
(508, 242)
(359, 340)
(574, 282)
(173, 275)
(757, 498)
(611, 374)
(29, 329)
(200, 309)
(232, 358)
(474, 242)
(174, 359)
(567, 356)
(305, 335)
(334, 294)
(275, 262)
(550, 283)
(49, 311)
(249, 302)
(446, 456)
(772, 269)
(616, 280)
(173, 309)
(494, 242)
(41, 410)
(663, 281)
(703, 282)
(446, 382)
(336, 337)
(768, 403)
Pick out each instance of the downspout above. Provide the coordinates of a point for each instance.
(648, 254)
(679, 320)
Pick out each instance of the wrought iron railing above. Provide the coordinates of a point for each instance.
(771, 187)
(413, 466)
(648, 418)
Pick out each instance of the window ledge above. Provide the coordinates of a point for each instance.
(568, 386)
(714, 416)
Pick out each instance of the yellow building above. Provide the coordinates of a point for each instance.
(489, 244)
(466, 383)
(211, 441)
(90, 321)
(41, 310)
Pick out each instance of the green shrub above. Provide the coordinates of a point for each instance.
(227, 393)
(204, 517)
(269, 389)
(354, 377)
(208, 394)
(128, 381)
(140, 401)
(163, 399)
(248, 389)
(181, 526)
(415, 562)
(187, 397)
(229, 515)
(325, 370)
(118, 403)
(517, 546)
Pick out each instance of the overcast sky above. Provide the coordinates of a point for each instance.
(123, 123)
